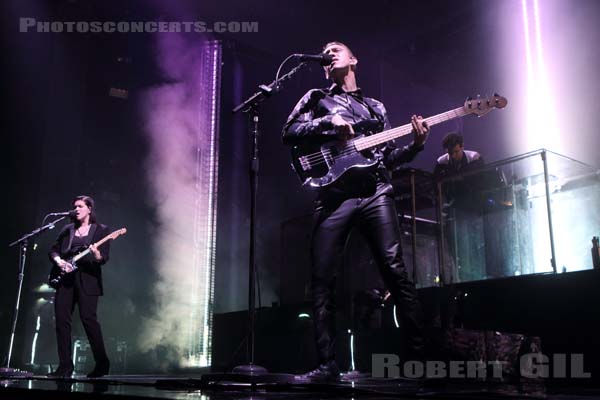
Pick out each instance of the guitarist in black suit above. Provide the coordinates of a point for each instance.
(82, 285)
(365, 203)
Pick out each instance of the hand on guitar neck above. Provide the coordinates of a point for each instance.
(420, 130)
(94, 250)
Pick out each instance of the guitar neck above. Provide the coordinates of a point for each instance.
(368, 142)
(87, 251)
(80, 256)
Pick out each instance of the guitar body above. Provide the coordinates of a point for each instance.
(56, 274)
(320, 166)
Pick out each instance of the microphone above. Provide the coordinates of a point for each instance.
(323, 59)
(71, 213)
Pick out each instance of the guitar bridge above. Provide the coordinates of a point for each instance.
(305, 163)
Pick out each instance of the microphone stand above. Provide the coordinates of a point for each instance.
(250, 372)
(23, 243)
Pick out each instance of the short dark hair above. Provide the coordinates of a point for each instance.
(340, 44)
(88, 202)
(451, 140)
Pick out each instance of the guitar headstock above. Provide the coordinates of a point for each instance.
(483, 105)
(117, 233)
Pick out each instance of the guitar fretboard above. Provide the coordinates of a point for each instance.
(100, 242)
(391, 134)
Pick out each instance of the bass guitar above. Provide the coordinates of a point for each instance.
(320, 166)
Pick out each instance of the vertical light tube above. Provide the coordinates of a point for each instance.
(205, 209)
(35, 337)
(352, 365)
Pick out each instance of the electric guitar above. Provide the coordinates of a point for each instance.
(57, 274)
(320, 166)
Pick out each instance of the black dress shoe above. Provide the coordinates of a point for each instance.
(100, 369)
(325, 373)
(61, 372)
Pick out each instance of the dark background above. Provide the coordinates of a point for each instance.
(64, 135)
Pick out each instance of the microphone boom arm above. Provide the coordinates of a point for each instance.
(37, 231)
(267, 90)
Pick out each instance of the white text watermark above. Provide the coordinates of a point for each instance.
(531, 365)
(29, 25)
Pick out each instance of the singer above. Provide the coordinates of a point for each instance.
(366, 203)
(82, 286)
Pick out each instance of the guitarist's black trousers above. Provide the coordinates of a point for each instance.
(67, 295)
(377, 220)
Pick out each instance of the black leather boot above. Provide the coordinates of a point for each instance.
(63, 371)
(101, 369)
(328, 372)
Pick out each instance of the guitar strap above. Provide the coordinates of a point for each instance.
(371, 110)
(90, 237)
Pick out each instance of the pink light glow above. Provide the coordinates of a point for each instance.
(541, 125)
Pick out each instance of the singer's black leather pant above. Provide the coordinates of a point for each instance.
(377, 220)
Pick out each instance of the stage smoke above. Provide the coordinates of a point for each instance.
(181, 172)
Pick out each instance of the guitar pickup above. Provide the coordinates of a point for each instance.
(328, 156)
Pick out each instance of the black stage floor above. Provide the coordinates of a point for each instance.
(561, 309)
(351, 387)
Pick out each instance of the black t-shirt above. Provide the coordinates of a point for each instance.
(79, 244)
